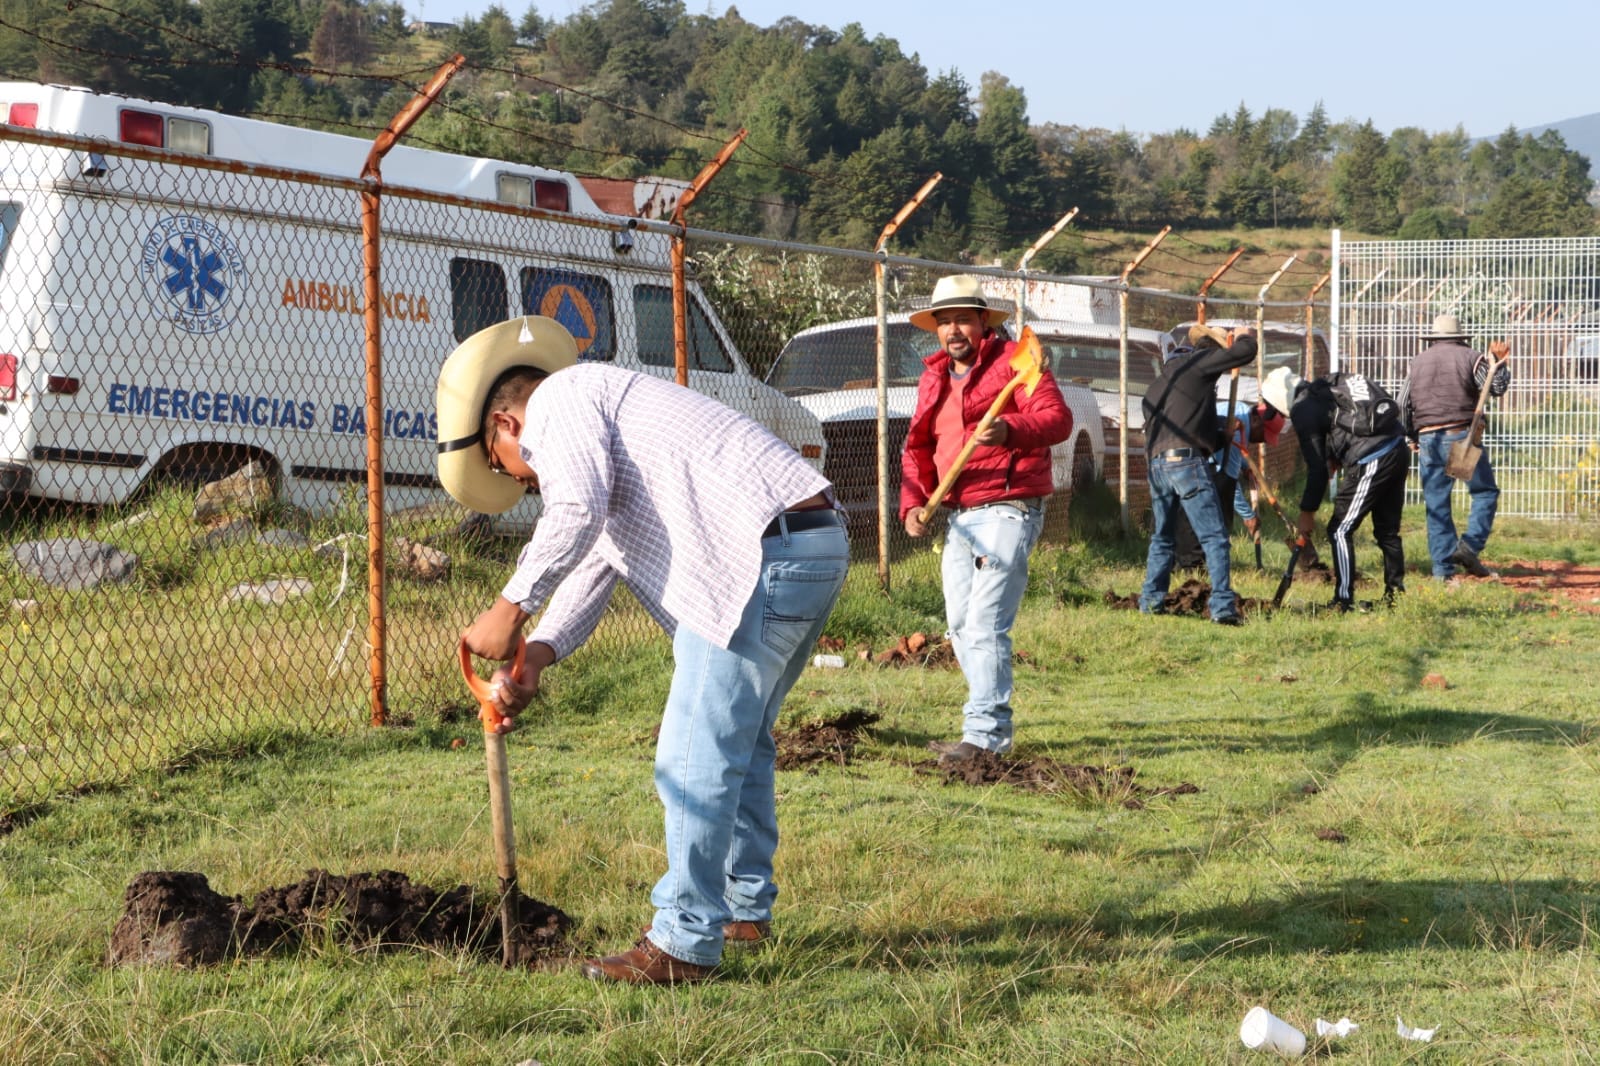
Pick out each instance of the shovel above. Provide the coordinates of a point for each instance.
(505, 849)
(1028, 363)
(1465, 453)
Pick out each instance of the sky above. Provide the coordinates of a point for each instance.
(1158, 65)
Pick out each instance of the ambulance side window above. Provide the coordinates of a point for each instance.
(653, 304)
(477, 296)
(581, 302)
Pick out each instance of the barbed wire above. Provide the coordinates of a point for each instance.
(814, 216)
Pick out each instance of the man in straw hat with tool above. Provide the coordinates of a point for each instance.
(728, 538)
(995, 501)
(1442, 403)
(1346, 422)
(1181, 435)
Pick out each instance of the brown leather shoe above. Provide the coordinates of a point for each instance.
(746, 934)
(959, 754)
(645, 964)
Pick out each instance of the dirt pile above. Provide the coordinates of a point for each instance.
(833, 740)
(174, 917)
(1115, 784)
(917, 649)
(1193, 597)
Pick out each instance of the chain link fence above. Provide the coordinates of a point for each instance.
(1543, 297)
(185, 416)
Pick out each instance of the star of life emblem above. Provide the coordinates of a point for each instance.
(193, 273)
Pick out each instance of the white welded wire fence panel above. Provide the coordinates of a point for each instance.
(1542, 296)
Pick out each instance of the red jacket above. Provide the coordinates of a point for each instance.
(1018, 469)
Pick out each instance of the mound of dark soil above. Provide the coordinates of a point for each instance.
(833, 740)
(175, 918)
(1055, 778)
(1193, 597)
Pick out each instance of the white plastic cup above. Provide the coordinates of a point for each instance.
(1262, 1030)
(832, 662)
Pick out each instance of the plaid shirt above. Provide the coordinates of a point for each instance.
(653, 483)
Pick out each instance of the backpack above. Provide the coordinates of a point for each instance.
(1365, 409)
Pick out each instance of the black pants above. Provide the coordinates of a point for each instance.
(1186, 551)
(1377, 488)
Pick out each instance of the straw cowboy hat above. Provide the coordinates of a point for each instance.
(1445, 328)
(958, 290)
(1200, 330)
(464, 382)
(1279, 388)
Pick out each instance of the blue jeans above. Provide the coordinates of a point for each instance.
(1187, 483)
(985, 569)
(1433, 449)
(715, 755)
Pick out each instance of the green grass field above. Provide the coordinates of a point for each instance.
(924, 922)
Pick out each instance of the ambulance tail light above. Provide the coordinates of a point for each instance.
(25, 115)
(552, 195)
(141, 127)
(8, 377)
(61, 385)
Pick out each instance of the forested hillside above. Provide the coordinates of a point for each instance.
(843, 128)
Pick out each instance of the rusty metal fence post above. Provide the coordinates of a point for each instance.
(680, 285)
(1205, 286)
(1027, 257)
(880, 285)
(1122, 377)
(372, 320)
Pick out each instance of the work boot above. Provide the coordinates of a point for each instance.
(645, 964)
(745, 934)
(959, 754)
(1468, 560)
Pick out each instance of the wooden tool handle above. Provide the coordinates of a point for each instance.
(949, 479)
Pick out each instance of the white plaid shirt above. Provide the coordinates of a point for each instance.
(654, 483)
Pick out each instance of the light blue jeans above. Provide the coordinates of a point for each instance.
(715, 755)
(1433, 449)
(985, 574)
(1187, 483)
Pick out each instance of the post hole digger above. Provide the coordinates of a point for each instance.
(1027, 362)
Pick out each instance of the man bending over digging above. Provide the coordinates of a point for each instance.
(728, 538)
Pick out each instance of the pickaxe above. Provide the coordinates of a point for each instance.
(505, 849)
(1027, 362)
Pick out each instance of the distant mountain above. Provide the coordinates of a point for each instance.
(1582, 134)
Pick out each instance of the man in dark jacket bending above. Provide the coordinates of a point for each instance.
(1181, 433)
(1371, 453)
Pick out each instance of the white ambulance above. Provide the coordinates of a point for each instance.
(159, 318)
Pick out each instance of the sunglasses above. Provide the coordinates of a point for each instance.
(494, 459)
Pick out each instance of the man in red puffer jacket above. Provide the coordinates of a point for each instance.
(996, 506)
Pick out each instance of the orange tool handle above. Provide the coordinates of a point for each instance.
(483, 691)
